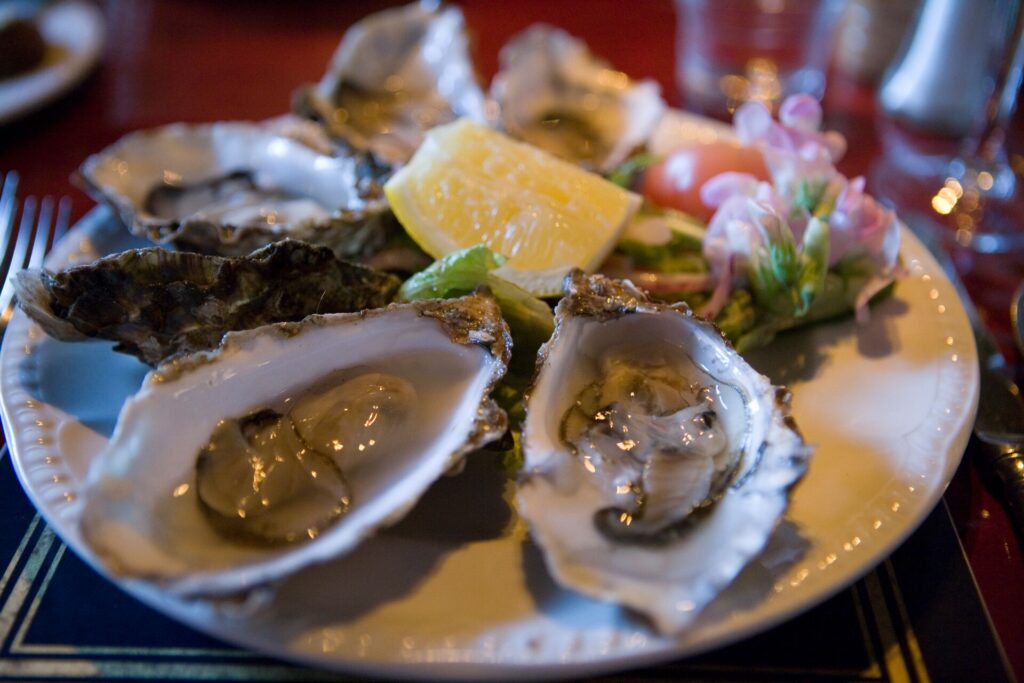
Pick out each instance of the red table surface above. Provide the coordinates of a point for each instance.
(203, 60)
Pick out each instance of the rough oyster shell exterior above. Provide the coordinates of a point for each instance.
(156, 303)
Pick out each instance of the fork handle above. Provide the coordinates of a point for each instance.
(1006, 463)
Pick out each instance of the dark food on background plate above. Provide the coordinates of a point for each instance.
(21, 45)
(156, 303)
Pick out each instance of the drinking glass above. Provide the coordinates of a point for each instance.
(732, 51)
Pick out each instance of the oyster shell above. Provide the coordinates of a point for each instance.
(141, 514)
(228, 188)
(155, 303)
(657, 462)
(396, 74)
(554, 94)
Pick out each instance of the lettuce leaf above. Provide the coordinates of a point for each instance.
(786, 280)
(530, 320)
(838, 292)
(625, 175)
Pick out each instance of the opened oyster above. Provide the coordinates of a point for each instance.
(657, 461)
(554, 94)
(291, 442)
(155, 303)
(228, 188)
(395, 75)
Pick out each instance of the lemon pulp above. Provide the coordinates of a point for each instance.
(468, 184)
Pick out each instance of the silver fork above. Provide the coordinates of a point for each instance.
(27, 240)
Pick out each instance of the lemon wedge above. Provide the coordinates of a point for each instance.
(468, 185)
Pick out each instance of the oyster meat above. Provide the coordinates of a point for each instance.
(228, 188)
(554, 94)
(290, 443)
(396, 74)
(155, 303)
(657, 462)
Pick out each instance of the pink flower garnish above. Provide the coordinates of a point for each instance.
(794, 148)
(860, 225)
(739, 226)
(796, 132)
(717, 189)
(801, 160)
(751, 213)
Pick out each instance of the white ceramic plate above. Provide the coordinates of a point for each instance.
(457, 590)
(74, 34)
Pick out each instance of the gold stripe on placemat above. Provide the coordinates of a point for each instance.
(909, 637)
(9, 571)
(895, 662)
(23, 584)
(19, 646)
(874, 670)
(23, 660)
(886, 634)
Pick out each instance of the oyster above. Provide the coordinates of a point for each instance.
(657, 462)
(155, 303)
(554, 94)
(335, 426)
(396, 74)
(228, 188)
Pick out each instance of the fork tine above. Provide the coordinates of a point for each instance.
(22, 237)
(26, 230)
(7, 195)
(35, 238)
(8, 227)
(62, 223)
(22, 251)
(42, 235)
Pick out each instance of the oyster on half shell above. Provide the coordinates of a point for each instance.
(657, 462)
(228, 188)
(340, 422)
(396, 74)
(554, 94)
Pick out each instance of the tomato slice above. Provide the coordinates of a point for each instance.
(675, 181)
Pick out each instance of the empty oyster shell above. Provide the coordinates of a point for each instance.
(155, 303)
(142, 515)
(657, 462)
(396, 74)
(228, 188)
(554, 94)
